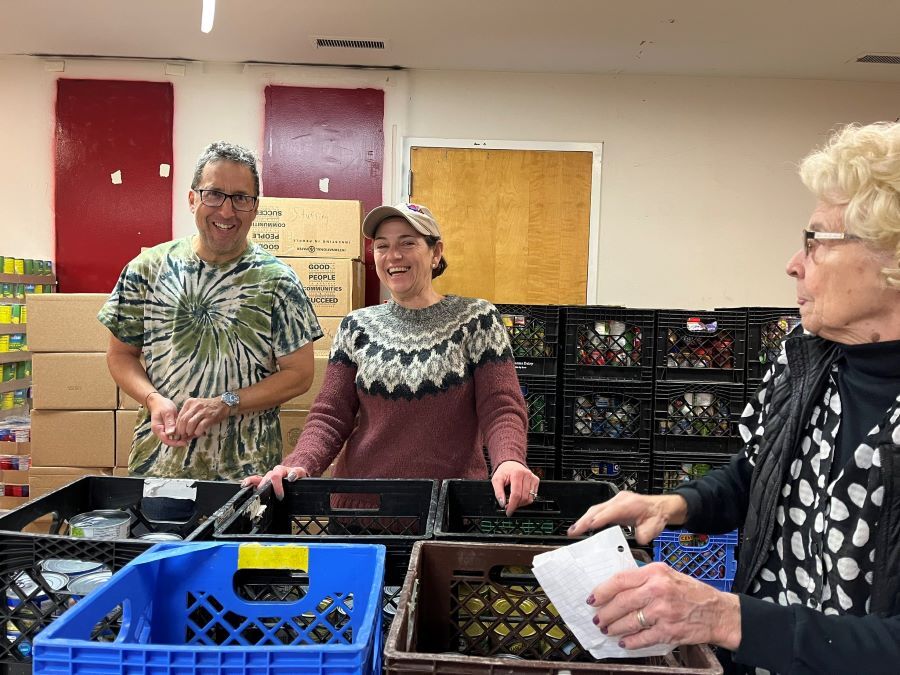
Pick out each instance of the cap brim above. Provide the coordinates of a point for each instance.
(377, 216)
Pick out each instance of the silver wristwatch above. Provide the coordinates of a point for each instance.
(232, 400)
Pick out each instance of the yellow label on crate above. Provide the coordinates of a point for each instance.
(258, 557)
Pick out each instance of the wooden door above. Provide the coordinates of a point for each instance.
(515, 222)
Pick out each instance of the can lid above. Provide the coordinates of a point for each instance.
(70, 565)
(89, 582)
(161, 536)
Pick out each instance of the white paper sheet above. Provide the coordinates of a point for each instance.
(570, 573)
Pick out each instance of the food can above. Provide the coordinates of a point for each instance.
(86, 583)
(161, 536)
(102, 524)
(70, 566)
(18, 265)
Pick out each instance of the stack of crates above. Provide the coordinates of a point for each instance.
(534, 333)
(607, 403)
(699, 395)
(766, 329)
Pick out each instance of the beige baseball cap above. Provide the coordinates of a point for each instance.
(418, 216)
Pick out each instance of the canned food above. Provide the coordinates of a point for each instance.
(102, 524)
(70, 566)
(161, 536)
(86, 583)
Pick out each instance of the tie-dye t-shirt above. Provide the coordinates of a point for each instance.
(204, 329)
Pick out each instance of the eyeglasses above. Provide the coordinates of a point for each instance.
(812, 235)
(217, 198)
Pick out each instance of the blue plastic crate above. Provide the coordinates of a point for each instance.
(227, 608)
(706, 557)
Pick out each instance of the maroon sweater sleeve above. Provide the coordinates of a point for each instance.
(330, 421)
(501, 410)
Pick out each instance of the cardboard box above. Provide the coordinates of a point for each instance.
(14, 448)
(45, 479)
(14, 477)
(304, 401)
(66, 322)
(292, 422)
(125, 421)
(121, 471)
(335, 287)
(10, 503)
(73, 381)
(329, 325)
(309, 228)
(126, 402)
(73, 438)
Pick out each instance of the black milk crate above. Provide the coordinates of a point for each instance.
(393, 512)
(466, 608)
(766, 329)
(625, 470)
(671, 469)
(468, 510)
(540, 400)
(752, 386)
(543, 462)
(610, 342)
(701, 345)
(32, 601)
(697, 416)
(618, 412)
(534, 336)
(21, 553)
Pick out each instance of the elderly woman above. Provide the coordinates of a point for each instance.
(417, 386)
(816, 487)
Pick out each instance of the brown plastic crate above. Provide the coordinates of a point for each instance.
(464, 605)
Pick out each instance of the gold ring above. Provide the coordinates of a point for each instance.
(641, 619)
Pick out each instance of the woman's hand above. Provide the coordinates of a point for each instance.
(648, 514)
(275, 477)
(523, 485)
(655, 604)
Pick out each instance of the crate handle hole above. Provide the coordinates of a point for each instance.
(271, 585)
(368, 501)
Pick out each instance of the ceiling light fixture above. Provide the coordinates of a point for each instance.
(209, 14)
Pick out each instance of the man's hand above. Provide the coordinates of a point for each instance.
(275, 477)
(523, 485)
(197, 415)
(163, 420)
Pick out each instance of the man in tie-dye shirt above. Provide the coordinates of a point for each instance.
(225, 331)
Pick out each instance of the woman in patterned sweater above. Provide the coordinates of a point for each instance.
(816, 488)
(418, 385)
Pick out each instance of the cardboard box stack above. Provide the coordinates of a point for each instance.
(322, 241)
(73, 421)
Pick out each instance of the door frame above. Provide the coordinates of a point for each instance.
(596, 150)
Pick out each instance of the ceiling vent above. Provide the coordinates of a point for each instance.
(348, 43)
(889, 59)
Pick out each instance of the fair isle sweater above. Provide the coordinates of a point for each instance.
(416, 393)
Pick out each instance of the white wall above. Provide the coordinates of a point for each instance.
(700, 202)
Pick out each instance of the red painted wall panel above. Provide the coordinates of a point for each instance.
(102, 127)
(314, 133)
